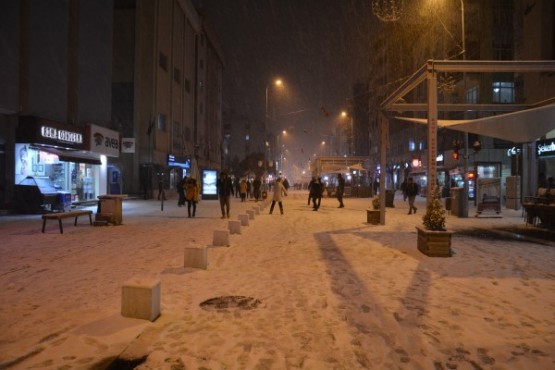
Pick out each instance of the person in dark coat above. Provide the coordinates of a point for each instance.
(311, 189)
(256, 187)
(412, 192)
(181, 191)
(317, 194)
(225, 191)
(340, 189)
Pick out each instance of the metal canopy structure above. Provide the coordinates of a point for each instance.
(514, 122)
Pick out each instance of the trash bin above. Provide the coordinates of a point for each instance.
(456, 201)
(110, 208)
(65, 201)
(389, 197)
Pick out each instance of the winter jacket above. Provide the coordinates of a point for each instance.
(279, 191)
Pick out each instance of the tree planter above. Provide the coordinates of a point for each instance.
(434, 243)
(373, 216)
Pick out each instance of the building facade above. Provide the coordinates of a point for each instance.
(106, 96)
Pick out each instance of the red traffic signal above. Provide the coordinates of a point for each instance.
(456, 148)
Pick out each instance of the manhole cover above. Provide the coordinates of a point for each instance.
(230, 303)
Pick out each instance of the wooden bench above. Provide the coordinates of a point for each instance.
(61, 215)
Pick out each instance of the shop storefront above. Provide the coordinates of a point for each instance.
(105, 142)
(57, 154)
(545, 153)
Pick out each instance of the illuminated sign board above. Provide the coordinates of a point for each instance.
(64, 136)
(545, 148)
(103, 140)
(178, 161)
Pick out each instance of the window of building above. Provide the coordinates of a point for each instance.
(163, 61)
(503, 92)
(161, 122)
(472, 95)
(176, 136)
(412, 145)
(187, 85)
(177, 75)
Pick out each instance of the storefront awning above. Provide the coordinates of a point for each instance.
(71, 155)
(519, 127)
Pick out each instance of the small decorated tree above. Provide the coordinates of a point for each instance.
(376, 203)
(434, 219)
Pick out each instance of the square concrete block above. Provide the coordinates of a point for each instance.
(256, 210)
(234, 227)
(140, 299)
(196, 257)
(250, 213)
(221, 237)
(244, 220)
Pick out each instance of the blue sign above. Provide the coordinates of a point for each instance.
(182, 162)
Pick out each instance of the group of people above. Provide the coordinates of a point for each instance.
(245, 188)
(316, 190)
(189, 191)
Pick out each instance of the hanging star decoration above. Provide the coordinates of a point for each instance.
(323, 109)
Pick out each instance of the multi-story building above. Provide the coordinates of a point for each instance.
(101, 96)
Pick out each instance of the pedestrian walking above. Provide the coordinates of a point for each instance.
(256, 187)
(412, 192)
(317, 194)
(404, 189)
(192, 196)
(225, 191)
(181, 191)
(340, 189)
(279, 192)
(311, 189)
(243, 190)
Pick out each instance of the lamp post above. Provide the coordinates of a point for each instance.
(350, 136)
(277, 82)
(279, 147)
(464, 210)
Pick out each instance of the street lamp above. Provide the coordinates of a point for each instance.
(344, 114)
(276, 82)
(279, 149)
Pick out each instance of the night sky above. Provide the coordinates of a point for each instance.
(319, 48)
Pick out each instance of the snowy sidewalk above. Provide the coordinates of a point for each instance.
(333, 292)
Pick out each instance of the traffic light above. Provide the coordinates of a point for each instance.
(477, 146)
(456, 148)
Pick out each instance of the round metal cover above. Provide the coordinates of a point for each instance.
(230, 303)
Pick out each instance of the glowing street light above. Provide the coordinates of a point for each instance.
(277, 82)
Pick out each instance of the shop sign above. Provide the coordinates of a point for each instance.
(182, 162)
(63, 136)
(104, 141)
(513, 151)
(40, 131)
(545, 148)
(128, 145)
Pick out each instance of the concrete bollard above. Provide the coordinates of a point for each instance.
(244, 220)
(221, 238)
(250, 213)
(140, 299)
(195, 257)
(256, 210)
(234, 227)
